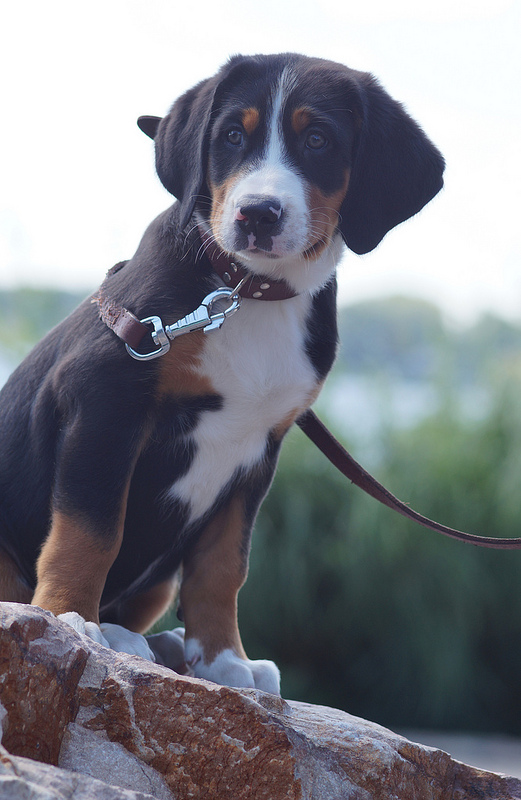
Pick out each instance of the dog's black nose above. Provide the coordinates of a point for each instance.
(259, 216)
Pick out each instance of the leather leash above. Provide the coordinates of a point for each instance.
(128, 328)
(346, 464)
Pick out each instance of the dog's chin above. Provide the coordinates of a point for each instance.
(267, 260)
(256, 252)
(275, 260)
(270, 264)
(304, 262)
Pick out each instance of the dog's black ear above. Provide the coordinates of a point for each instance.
(395, 172)
(182, 145)
(149, 125)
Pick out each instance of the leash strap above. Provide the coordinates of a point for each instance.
(345, 463)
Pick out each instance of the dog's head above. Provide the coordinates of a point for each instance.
(280, 152)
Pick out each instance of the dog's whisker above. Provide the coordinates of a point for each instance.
(329, 210)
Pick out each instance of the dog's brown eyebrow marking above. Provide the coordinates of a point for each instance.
(250, 119)
(300, 119)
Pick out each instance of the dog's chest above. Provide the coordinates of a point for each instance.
(257, 364)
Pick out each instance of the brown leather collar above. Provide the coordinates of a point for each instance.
(256, 287)
(120, 320)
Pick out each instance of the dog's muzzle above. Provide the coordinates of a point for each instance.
(257, 221)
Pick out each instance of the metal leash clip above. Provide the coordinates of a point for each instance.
(202, 318)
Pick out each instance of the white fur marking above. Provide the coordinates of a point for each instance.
(257, 362)
(115, 637)
(271, 177)
(125, 641)
(228, 669)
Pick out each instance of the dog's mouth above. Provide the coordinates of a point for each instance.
(262, 246)
(273, 250)
(258, 242)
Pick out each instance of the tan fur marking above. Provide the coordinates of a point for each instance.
(142, 611)
(324, 211)
(219, 194)
(212, 576)
(179, 376)
(250, 120)
(72, 568)
(12, 587)
(300, 119)
(280, 430)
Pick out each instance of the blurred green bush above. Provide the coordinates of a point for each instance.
(368, 612)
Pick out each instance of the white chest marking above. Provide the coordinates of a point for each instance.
(257, 363)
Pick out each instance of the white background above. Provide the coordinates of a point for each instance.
(77, 181)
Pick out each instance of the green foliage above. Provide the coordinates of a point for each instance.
(407, 339)
(366, 611)
(27, 314)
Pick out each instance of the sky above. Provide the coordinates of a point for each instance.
(77, 179)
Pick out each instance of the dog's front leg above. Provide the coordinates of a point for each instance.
(71, 573)
(213, 573)
(95, 459)
(73, 566)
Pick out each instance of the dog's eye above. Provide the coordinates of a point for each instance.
(234, 136)
(316, 140)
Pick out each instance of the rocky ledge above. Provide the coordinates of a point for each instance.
(82, 721)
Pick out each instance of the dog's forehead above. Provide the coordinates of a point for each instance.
(311, 82)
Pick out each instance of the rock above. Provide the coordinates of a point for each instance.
(92, 753)
(74, 704)
(30, 780)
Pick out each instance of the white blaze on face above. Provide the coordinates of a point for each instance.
(270, 177)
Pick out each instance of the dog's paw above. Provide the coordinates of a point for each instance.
(124, 641)
(228, 669)
(89, 629)
(169, 649)
(115, 637)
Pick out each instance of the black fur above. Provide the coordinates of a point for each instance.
(396, 169)
(79, 417)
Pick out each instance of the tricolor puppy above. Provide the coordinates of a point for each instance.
(119, 474)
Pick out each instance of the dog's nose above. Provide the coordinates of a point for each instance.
(259, 216)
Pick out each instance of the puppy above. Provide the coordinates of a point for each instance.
(121, 475)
